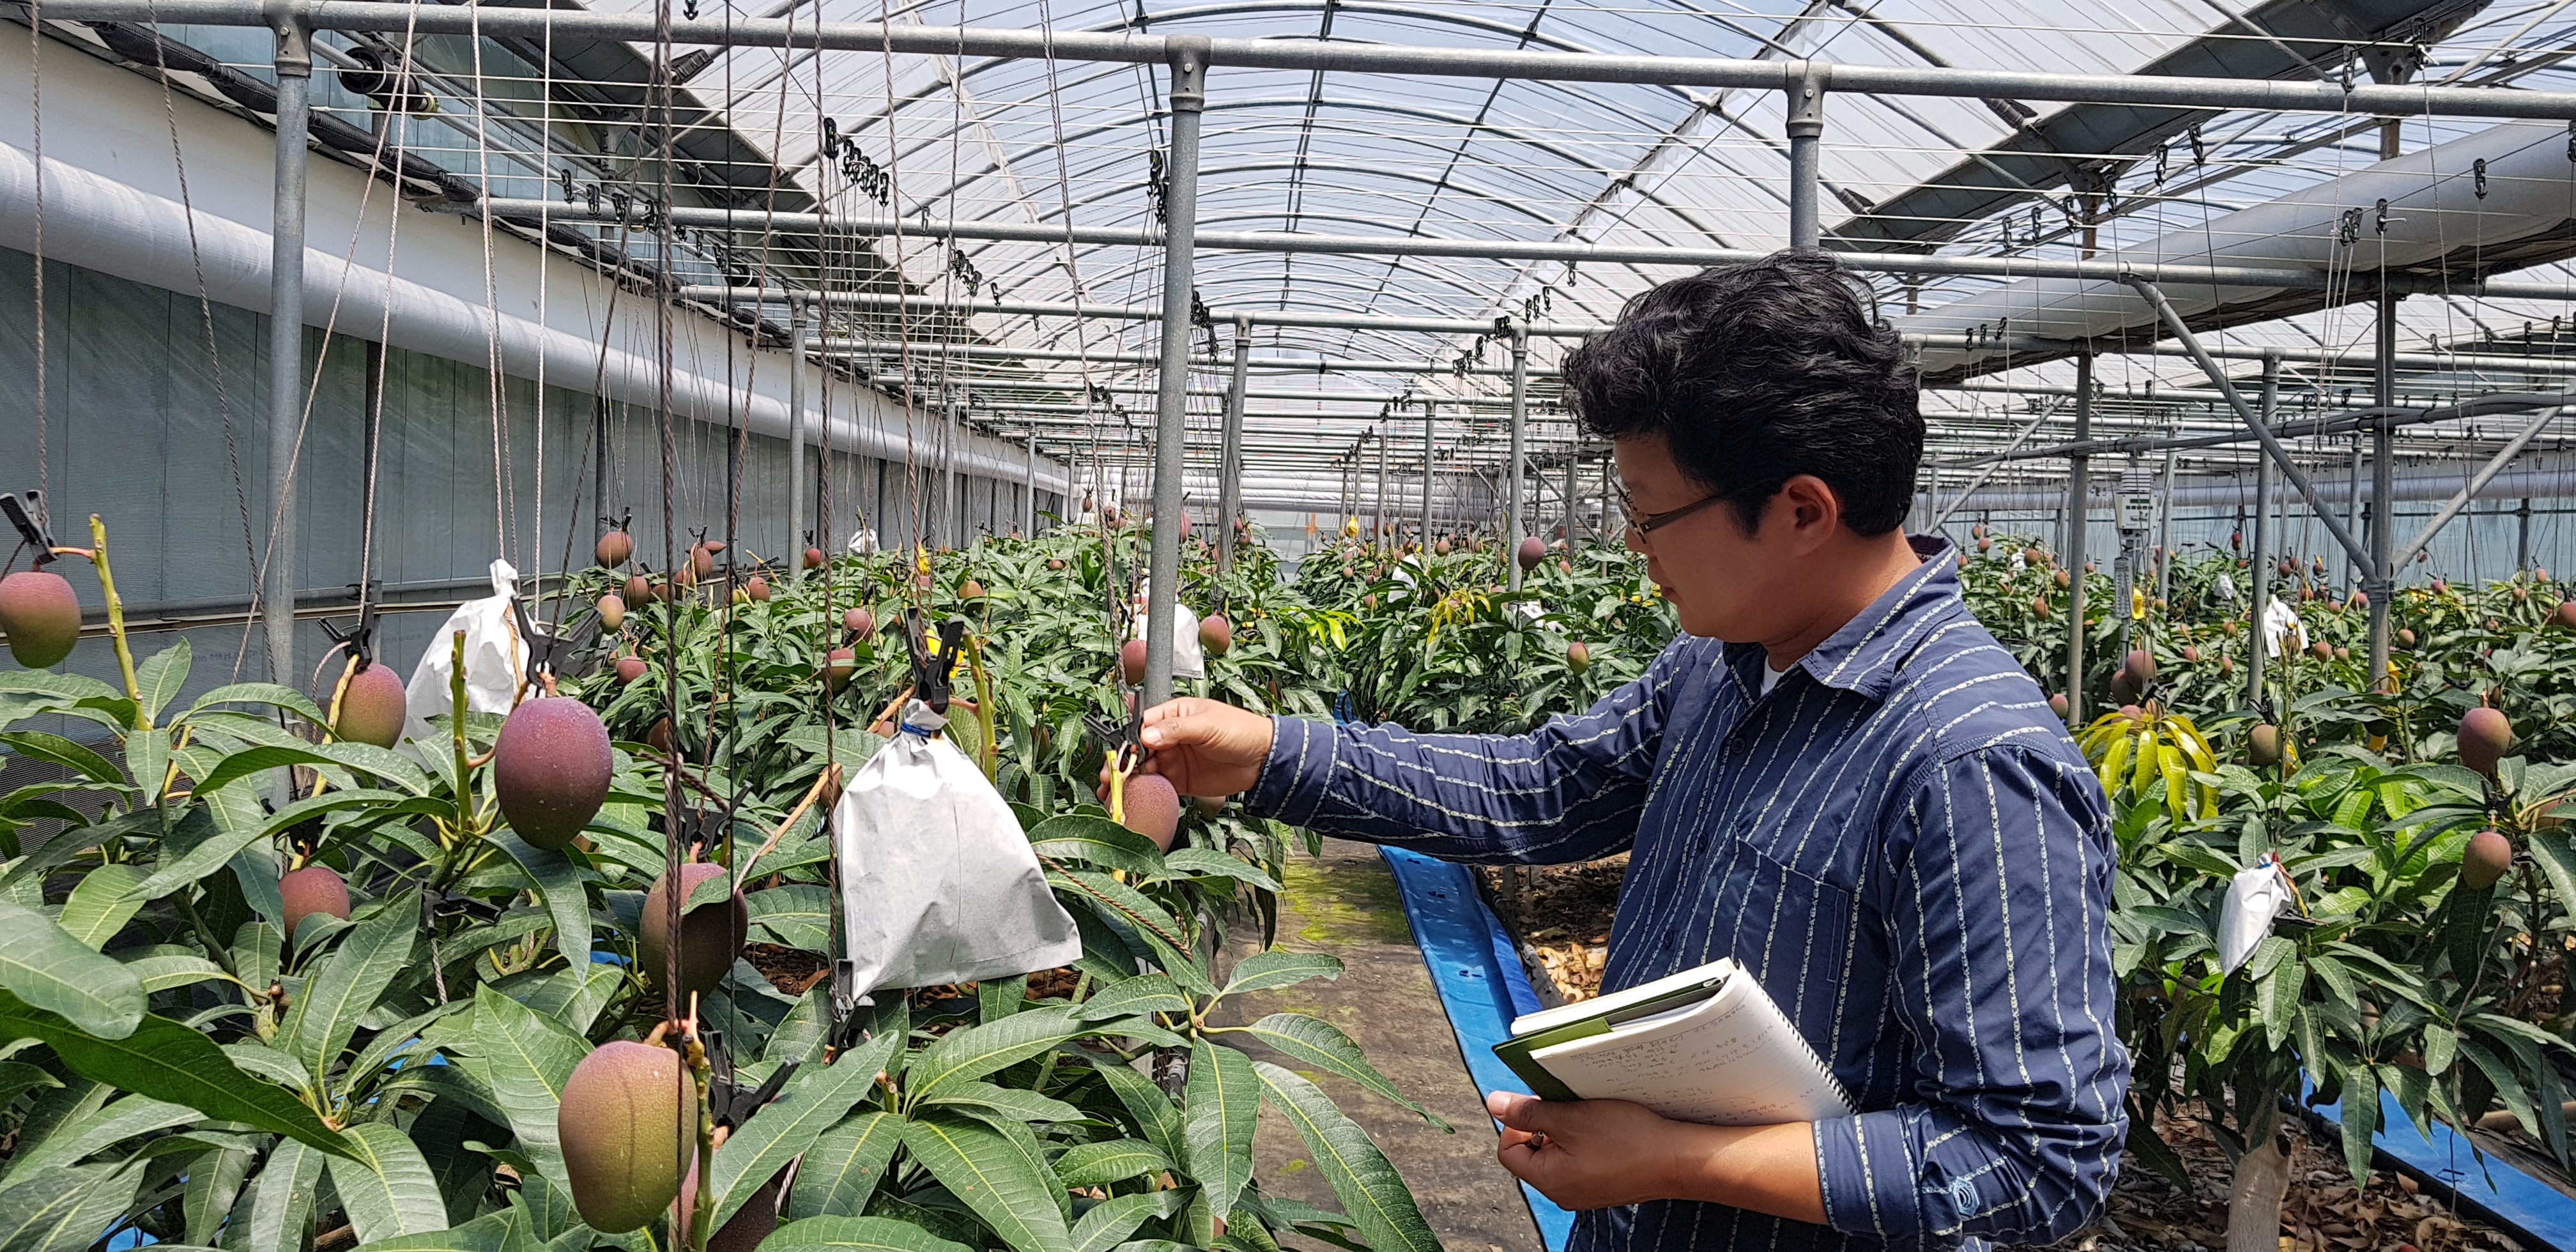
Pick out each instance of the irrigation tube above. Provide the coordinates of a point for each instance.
(1337, 57)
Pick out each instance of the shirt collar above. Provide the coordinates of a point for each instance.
(1862, 657)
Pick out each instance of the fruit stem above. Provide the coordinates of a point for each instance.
(116, 621)
(456, 731)
(703, 1207)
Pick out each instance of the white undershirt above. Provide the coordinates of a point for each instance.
(1771, 677)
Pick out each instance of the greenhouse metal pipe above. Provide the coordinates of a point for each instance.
(2262, 539)
(2477, 483)
(1430, 413)
(2164, 308)
(1805, 106)
(2382, 579)
(796, 448)
(294, 64)
(2283, 277)
(2330, 424)
(1187, 55)
(1004, 352)
(1029, 492)
(1991, 463)
(1515, 523)
(2450, 361)
(2079, 520)
(1230, 453)
(1319, 55)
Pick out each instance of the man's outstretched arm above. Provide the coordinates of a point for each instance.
(1568, 791)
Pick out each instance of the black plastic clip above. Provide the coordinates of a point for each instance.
(930, 673)
(1125, 743)
(544, 646)
(449, 904)
(27, 516)
(733, 1103)
(360, 639)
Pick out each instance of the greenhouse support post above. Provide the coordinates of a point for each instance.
(2522, 539)
(2079, 519)
(1805, 106)
(1029, 491)
(1517, 522)
(796, 540)
(1573, 458)
(1229, 466)
(1429, 412)
(2272, 447)
(2262, 590)
(286, 346)
(2381, 581)
(1188, 100)
(2164, 531)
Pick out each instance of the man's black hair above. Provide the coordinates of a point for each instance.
(1756, 373)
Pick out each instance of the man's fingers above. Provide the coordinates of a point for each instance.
(1525, 1113)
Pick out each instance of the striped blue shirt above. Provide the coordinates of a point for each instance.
(1899, 841)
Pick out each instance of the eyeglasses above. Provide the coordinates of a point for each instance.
(1644, 523)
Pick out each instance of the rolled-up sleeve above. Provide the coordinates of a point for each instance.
(1570, 791)
(1996, 891)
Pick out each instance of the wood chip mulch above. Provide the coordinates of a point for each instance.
(2322, 1213)
(1561, 914)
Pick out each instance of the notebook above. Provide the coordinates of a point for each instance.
(1705, 1045)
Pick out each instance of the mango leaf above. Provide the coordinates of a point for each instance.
(841, 1171)
(522, 1059)
(216, 850)
(1210, 863)
(65, 1144)
(273, 1216)
(64, 1210)
(56, 750)
(1317, 1043)
(1263, 971)
(271, 694)
(1148, 920)
(798, 915)
(856, 1234)
(386, 1185)
(1128, 997)
(100, 906)
(168, 1061)
(1154, 1112)
(492, 1232)
(991, 1175)
(965, 1055)
(385, 763)
(817, 1098)
(159, 676)
(1097, 841)
(349, 983)
(1108, 1161)
(1370, 1190)
(1012, 1104)
(560, 883)
(51, 969)
(1109, 1222)
(1224, 1102)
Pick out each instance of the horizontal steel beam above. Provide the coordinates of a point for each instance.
(999, 352)
(2358, 357)
(2302, 428)
(1317, 55)
(2001, 267)
(1116, 312)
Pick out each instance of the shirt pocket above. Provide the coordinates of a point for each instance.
(1795, 925)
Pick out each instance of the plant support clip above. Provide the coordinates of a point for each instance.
(26, 515)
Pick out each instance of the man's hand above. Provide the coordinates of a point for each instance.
(1205, 748)
(1595, 1154)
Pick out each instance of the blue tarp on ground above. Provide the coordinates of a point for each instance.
(1481, 984)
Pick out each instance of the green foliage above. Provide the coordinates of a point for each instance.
(175, 1066)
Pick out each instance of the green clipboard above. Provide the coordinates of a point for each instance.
(1515, 1051)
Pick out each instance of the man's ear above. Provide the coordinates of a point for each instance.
(1810, 508)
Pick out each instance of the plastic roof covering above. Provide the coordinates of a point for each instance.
(1036, 141)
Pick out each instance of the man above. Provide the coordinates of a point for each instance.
(1859, 795)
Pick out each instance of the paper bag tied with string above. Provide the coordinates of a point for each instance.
(496, 659)
(938, 882)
